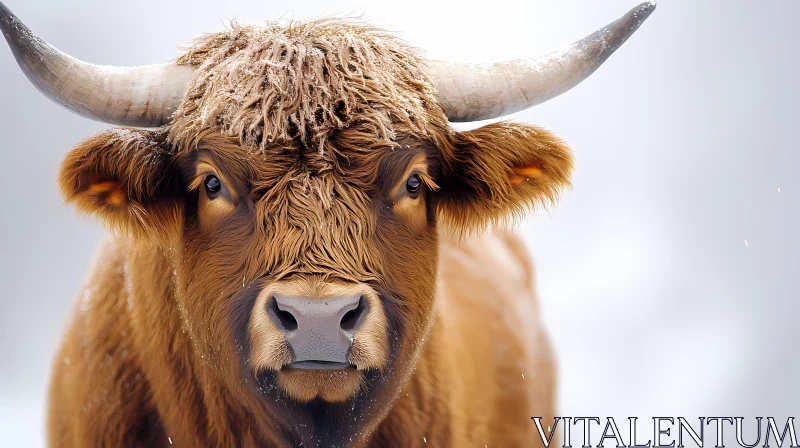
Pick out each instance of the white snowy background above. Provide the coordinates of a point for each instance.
(668, 277)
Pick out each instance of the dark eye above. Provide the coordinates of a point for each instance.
(412, 184)
(213, 184)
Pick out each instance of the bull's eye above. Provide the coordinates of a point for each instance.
(412, 185)
(213, 185)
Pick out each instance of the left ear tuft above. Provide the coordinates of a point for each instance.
(500, 171)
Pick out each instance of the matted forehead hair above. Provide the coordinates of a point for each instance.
(279, 82)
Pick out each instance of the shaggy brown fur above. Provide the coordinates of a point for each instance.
(313, 130)
(305, 80)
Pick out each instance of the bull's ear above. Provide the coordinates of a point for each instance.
(500, 171)
(126, 177)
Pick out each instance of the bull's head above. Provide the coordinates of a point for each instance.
(293, 184)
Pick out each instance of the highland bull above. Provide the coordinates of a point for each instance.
(303, 251)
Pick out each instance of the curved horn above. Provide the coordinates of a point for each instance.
(127, 96)
(471, 92)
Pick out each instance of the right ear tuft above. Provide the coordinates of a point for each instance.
(126, 178)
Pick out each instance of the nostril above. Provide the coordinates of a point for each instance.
(287, 320)
(353, 319)
(284, 319)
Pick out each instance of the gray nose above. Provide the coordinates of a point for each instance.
(319, 331)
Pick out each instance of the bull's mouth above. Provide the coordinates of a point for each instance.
(320, 365)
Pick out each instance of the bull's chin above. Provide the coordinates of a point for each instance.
(308, 380)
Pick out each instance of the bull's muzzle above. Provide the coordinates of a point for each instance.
(309, 323)
(319, 332)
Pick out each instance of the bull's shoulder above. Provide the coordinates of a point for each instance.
(491, 340)
(103, 287)
(496, 255)
(98, 393)
(486, 274)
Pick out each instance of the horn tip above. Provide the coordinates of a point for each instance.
(5, 13)
(644, 10)
(619, 31)
(10, 25)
